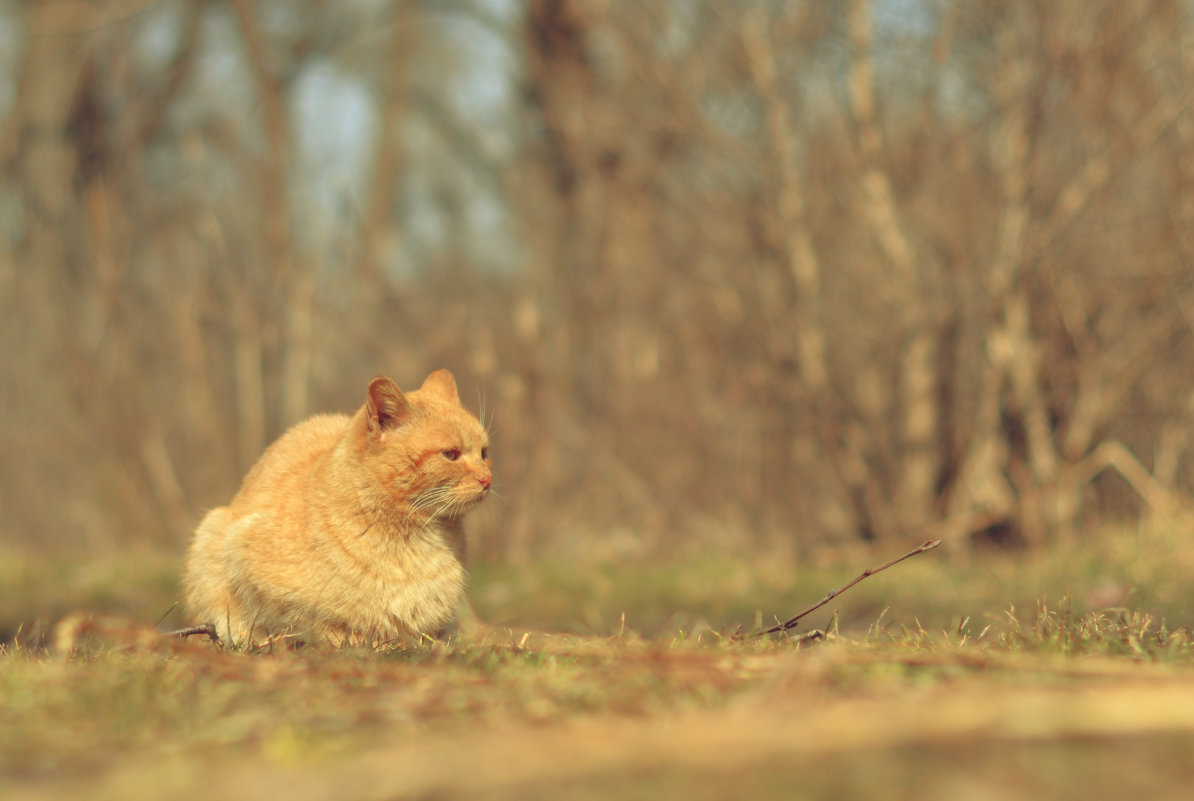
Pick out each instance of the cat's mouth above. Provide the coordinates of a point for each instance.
(478, 495)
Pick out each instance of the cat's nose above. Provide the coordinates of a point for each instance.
(485, 481)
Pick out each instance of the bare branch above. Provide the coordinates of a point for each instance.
(177, 72)
(1116, 455)
(791, 622)
(207, 629)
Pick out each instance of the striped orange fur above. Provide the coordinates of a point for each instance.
(348, 528)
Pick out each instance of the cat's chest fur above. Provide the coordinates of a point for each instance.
(398, 583)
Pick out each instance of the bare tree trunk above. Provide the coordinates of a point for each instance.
(290, 279)
(45, 97)
(799, 253)
(250, 386)
(983, 485)
(804, 318)
(298, 347)
(56, 285)
(917, 390)
(380, 232)
(558, 66)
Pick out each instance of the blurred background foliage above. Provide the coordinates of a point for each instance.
(762, 277)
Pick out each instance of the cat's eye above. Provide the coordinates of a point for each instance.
(485, 453)
(452, 454)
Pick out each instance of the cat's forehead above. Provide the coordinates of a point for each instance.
(453, 421)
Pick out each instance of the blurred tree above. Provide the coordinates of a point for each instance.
(764, 274)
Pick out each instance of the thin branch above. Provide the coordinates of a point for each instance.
(206, 628)
(271, 95)
(166, 614)
(791, 622)
(1115, 455)
(177, 72)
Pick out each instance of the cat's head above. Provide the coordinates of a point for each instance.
(424, 451)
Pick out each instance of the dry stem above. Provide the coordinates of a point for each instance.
(206, 628)
(791, 622)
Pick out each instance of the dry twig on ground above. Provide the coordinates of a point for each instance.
(791, 622)
(206, 628)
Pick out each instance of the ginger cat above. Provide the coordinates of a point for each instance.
(347, 528)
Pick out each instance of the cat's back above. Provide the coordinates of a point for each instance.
(233, 545)
(291, 458)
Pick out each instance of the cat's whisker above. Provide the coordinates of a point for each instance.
(438, 499)
(435, 515)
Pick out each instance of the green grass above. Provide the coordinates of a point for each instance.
(1144, 570)
(944, 677)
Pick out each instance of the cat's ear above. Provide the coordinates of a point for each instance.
(442, 385)
(385, 405)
